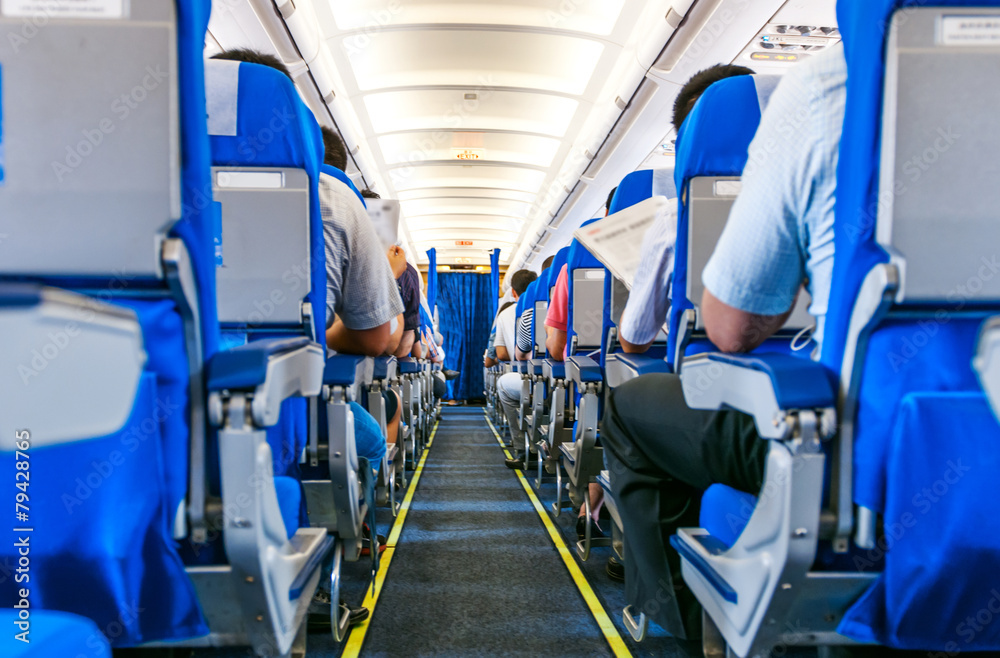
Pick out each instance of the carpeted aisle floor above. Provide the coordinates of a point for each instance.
(474, 571)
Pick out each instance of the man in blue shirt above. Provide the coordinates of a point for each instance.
(664, 455)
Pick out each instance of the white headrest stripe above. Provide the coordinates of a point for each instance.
(222, 93)
(663, 183)
(765, 87)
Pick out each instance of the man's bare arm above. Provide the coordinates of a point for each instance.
(733, 330)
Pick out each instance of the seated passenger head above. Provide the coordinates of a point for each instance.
(696, 86)
(335, 153)
(548, 262)
(251, 56)
(607, 204)
(521, 280)
(369, 194)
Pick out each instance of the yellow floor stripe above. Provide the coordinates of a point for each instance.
(356, 639)
(607, 626)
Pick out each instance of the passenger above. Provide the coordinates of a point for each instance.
(524, 348)
(408, 282)
(662, 454)
(490, 358)
(509, 385)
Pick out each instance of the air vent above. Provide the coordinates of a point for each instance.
(781, 44)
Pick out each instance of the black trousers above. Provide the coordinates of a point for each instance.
(662, 456)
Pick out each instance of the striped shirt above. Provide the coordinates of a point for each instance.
(525, 341)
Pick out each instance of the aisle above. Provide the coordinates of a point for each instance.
(474, 571)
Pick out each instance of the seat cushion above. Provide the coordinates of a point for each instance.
(290, 501)
(725, 512)
(53, 633)
(938, 589)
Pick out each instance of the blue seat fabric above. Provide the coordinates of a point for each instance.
(102, 544)
(53, 633)
(381, 369)
(408, 365)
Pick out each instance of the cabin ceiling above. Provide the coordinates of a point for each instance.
(471, 109)
(503, 123)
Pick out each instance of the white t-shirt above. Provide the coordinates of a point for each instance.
(505, 329)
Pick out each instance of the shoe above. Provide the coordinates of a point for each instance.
(615, 570)
(357, 615)
(366, 548)
(319, 612)
(515, 464)
(581, 529)
(449, 375)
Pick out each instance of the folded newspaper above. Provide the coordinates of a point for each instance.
(384, 214)
(616, 240)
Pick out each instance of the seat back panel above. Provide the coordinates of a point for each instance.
(90, 153)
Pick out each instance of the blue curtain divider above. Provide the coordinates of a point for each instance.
(432, 279)
(464, 306)
(494, 284)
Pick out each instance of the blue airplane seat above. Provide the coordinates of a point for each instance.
(909, 355)
(921, 417)
(712, 142)
(80, 540)
(279, 133)
(52, 633)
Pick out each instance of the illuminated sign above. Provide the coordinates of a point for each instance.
(774, 57)
(468, 154)
(463, 243)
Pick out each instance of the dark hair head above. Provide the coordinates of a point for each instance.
(252, 56)
(521, 280)
(696, 86)
(611, 196)
(335, 153)
(548, 262)
(369, 194)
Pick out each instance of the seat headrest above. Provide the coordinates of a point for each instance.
(716, 135)
(578, 256)
(257, 119)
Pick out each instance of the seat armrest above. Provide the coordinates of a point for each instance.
(623, 367)
(553, 370)
(987, 362)
(273, 370)
(407, 365)
(765, 386)
(537, 366)
(384, 368)
(57, 344)
(348, 370)
(583, 370)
